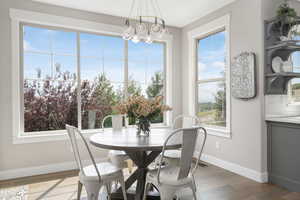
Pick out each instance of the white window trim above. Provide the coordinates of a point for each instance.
(193, 36)
(21, 16)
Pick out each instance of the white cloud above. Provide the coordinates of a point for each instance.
(202, 66)
(26, 45)
(218, 64)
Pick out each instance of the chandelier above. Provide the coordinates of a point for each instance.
(145, 22)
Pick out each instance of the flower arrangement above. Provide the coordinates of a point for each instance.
(142, 110)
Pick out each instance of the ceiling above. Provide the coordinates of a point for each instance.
(175, 12)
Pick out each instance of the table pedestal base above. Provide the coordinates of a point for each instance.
(142, 159)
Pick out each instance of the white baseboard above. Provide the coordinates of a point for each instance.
(46, 169)
(39, 170)
(235, 168)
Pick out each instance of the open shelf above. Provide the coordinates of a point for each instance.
(277, 83)
(284, 74)
(285, 45)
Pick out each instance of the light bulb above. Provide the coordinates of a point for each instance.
(141, 28)
(148, 39)
(163, 32)
(135, 38)
(128, 32)
(155, 28)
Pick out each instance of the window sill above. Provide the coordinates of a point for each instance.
(60, 135)
(40, 138)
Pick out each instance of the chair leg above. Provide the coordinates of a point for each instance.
(123, 188)
(194, 189)
(108, 189)
(79, 190)
(146, 190)
(194, 194)
(92, 190)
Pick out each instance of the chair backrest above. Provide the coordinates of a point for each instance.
(116, 120)
(189, 140)
(187, 121)
(74, 133)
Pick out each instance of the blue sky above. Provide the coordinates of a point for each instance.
(98, 54)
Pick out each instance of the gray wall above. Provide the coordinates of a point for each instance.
(245, 148)
(38, 154)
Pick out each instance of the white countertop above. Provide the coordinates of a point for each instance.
(281, 118)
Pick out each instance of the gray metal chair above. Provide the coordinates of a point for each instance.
(94, 176)
(188, 121)
(170, 179)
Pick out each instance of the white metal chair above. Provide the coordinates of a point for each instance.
(94, 176)
(170, 179)
(117, 158)
(188, 121)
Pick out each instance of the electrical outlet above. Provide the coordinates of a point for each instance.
(217, 145)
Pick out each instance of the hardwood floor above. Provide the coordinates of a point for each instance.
(213, 184)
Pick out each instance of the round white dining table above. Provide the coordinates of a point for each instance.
(141, 149)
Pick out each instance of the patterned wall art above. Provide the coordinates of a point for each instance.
(243, 76)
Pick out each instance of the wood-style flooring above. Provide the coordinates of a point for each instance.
(213, 184)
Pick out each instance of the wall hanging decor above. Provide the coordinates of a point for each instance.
(243, 76)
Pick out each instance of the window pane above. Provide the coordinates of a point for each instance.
(102, 77)
(137, 71)
(49, 105)
(146, 70)
(50, 95)
(37, 66)
(114, 70)
(63, 42)
(64, 64)
(90, 68)
(294, 90)
(212, 103)
(97, 98)
(295, 58)
(36, 39)
(211, 56)
(106, 47)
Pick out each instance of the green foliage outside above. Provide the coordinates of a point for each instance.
(214, 113)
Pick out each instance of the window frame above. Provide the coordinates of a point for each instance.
(20, 18)
(213, 27)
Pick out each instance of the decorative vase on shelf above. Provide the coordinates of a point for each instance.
(143, 127)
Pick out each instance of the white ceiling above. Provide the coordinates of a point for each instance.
(175, 12)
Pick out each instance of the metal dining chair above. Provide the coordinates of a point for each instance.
(94, 176)
(169, 179)
(117, 158)
(188, 121)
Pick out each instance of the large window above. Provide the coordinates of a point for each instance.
(211, 81)
(72, 77)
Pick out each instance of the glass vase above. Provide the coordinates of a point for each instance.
(143, 127)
